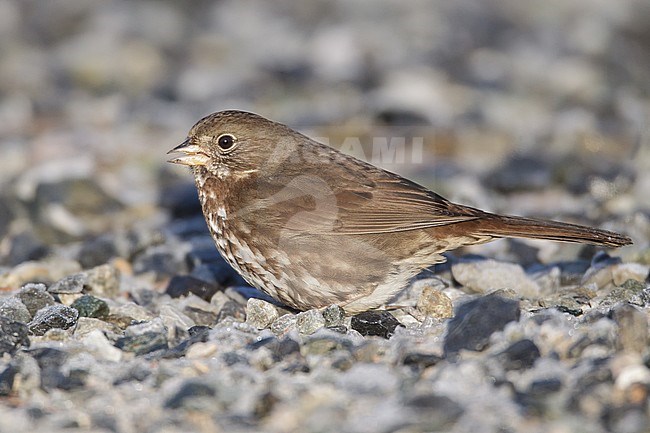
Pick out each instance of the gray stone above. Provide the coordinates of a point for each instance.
(309, 322)
(53, 316)
(143, 344)
(35, 297)
(70, 284)
(104, 281)
(334, 316)
(283, 324)
(483, 276)
(632, 328)
(13, 309)
(86, 325)
(13, 336)
(631, 291)
(259, 313)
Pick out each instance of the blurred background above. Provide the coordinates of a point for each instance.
(530, 108)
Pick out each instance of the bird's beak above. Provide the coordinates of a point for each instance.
(194, 154)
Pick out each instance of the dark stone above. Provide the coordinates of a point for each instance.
(6, 216)
(161, 261)
(520, 173)
(379, 323)
(181, 200)
(207, 264)
(24, 247)
(189, 391)
(232, 309)
(280, 349)
(201, 317)
(136, 373)
(35, 297)
(7, 377)
(201, 331)
(182, 285)
(89, 306)
(435, 412)
(543, 387)
(629, 417)
(189, 227)
(519, 355)
(475, 321)
(143, 344)
(232, 358)
(401, 117)
(265, 404)
(198, 334)
(422, 360)
(13, 336)
(97, 251)
(53, 316)
(51, 361)
(341, 329)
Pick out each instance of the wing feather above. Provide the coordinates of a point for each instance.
(353, 198)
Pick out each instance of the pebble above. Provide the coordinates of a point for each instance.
(630, 271)
(433, 303)
(632, 328)
(334, 316)
(134, 311)
(520, 355)
(631, 291)
(53, 316)
(86, 325)
(89, 306)
(13, 309)
(233, 310)
(7, 379)
(143, 344)
(483, 276)
(187, 394)
(181, 285)
(13, 336)
(35, 297)
(379, 323)
(101, 347)
(475, 321)
(260, 314)
(309, 321)
(283, 324)
(42, 271)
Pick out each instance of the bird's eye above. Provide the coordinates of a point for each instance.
(225, 141)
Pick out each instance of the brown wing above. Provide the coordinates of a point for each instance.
(350, 197)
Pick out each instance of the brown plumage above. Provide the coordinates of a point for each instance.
(312, 226)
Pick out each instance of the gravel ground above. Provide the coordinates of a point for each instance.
(118, 315)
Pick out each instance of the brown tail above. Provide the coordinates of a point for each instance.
(519, 227)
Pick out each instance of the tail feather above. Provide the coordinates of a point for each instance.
(520, 227)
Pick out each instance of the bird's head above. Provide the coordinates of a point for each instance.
(234, 144)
